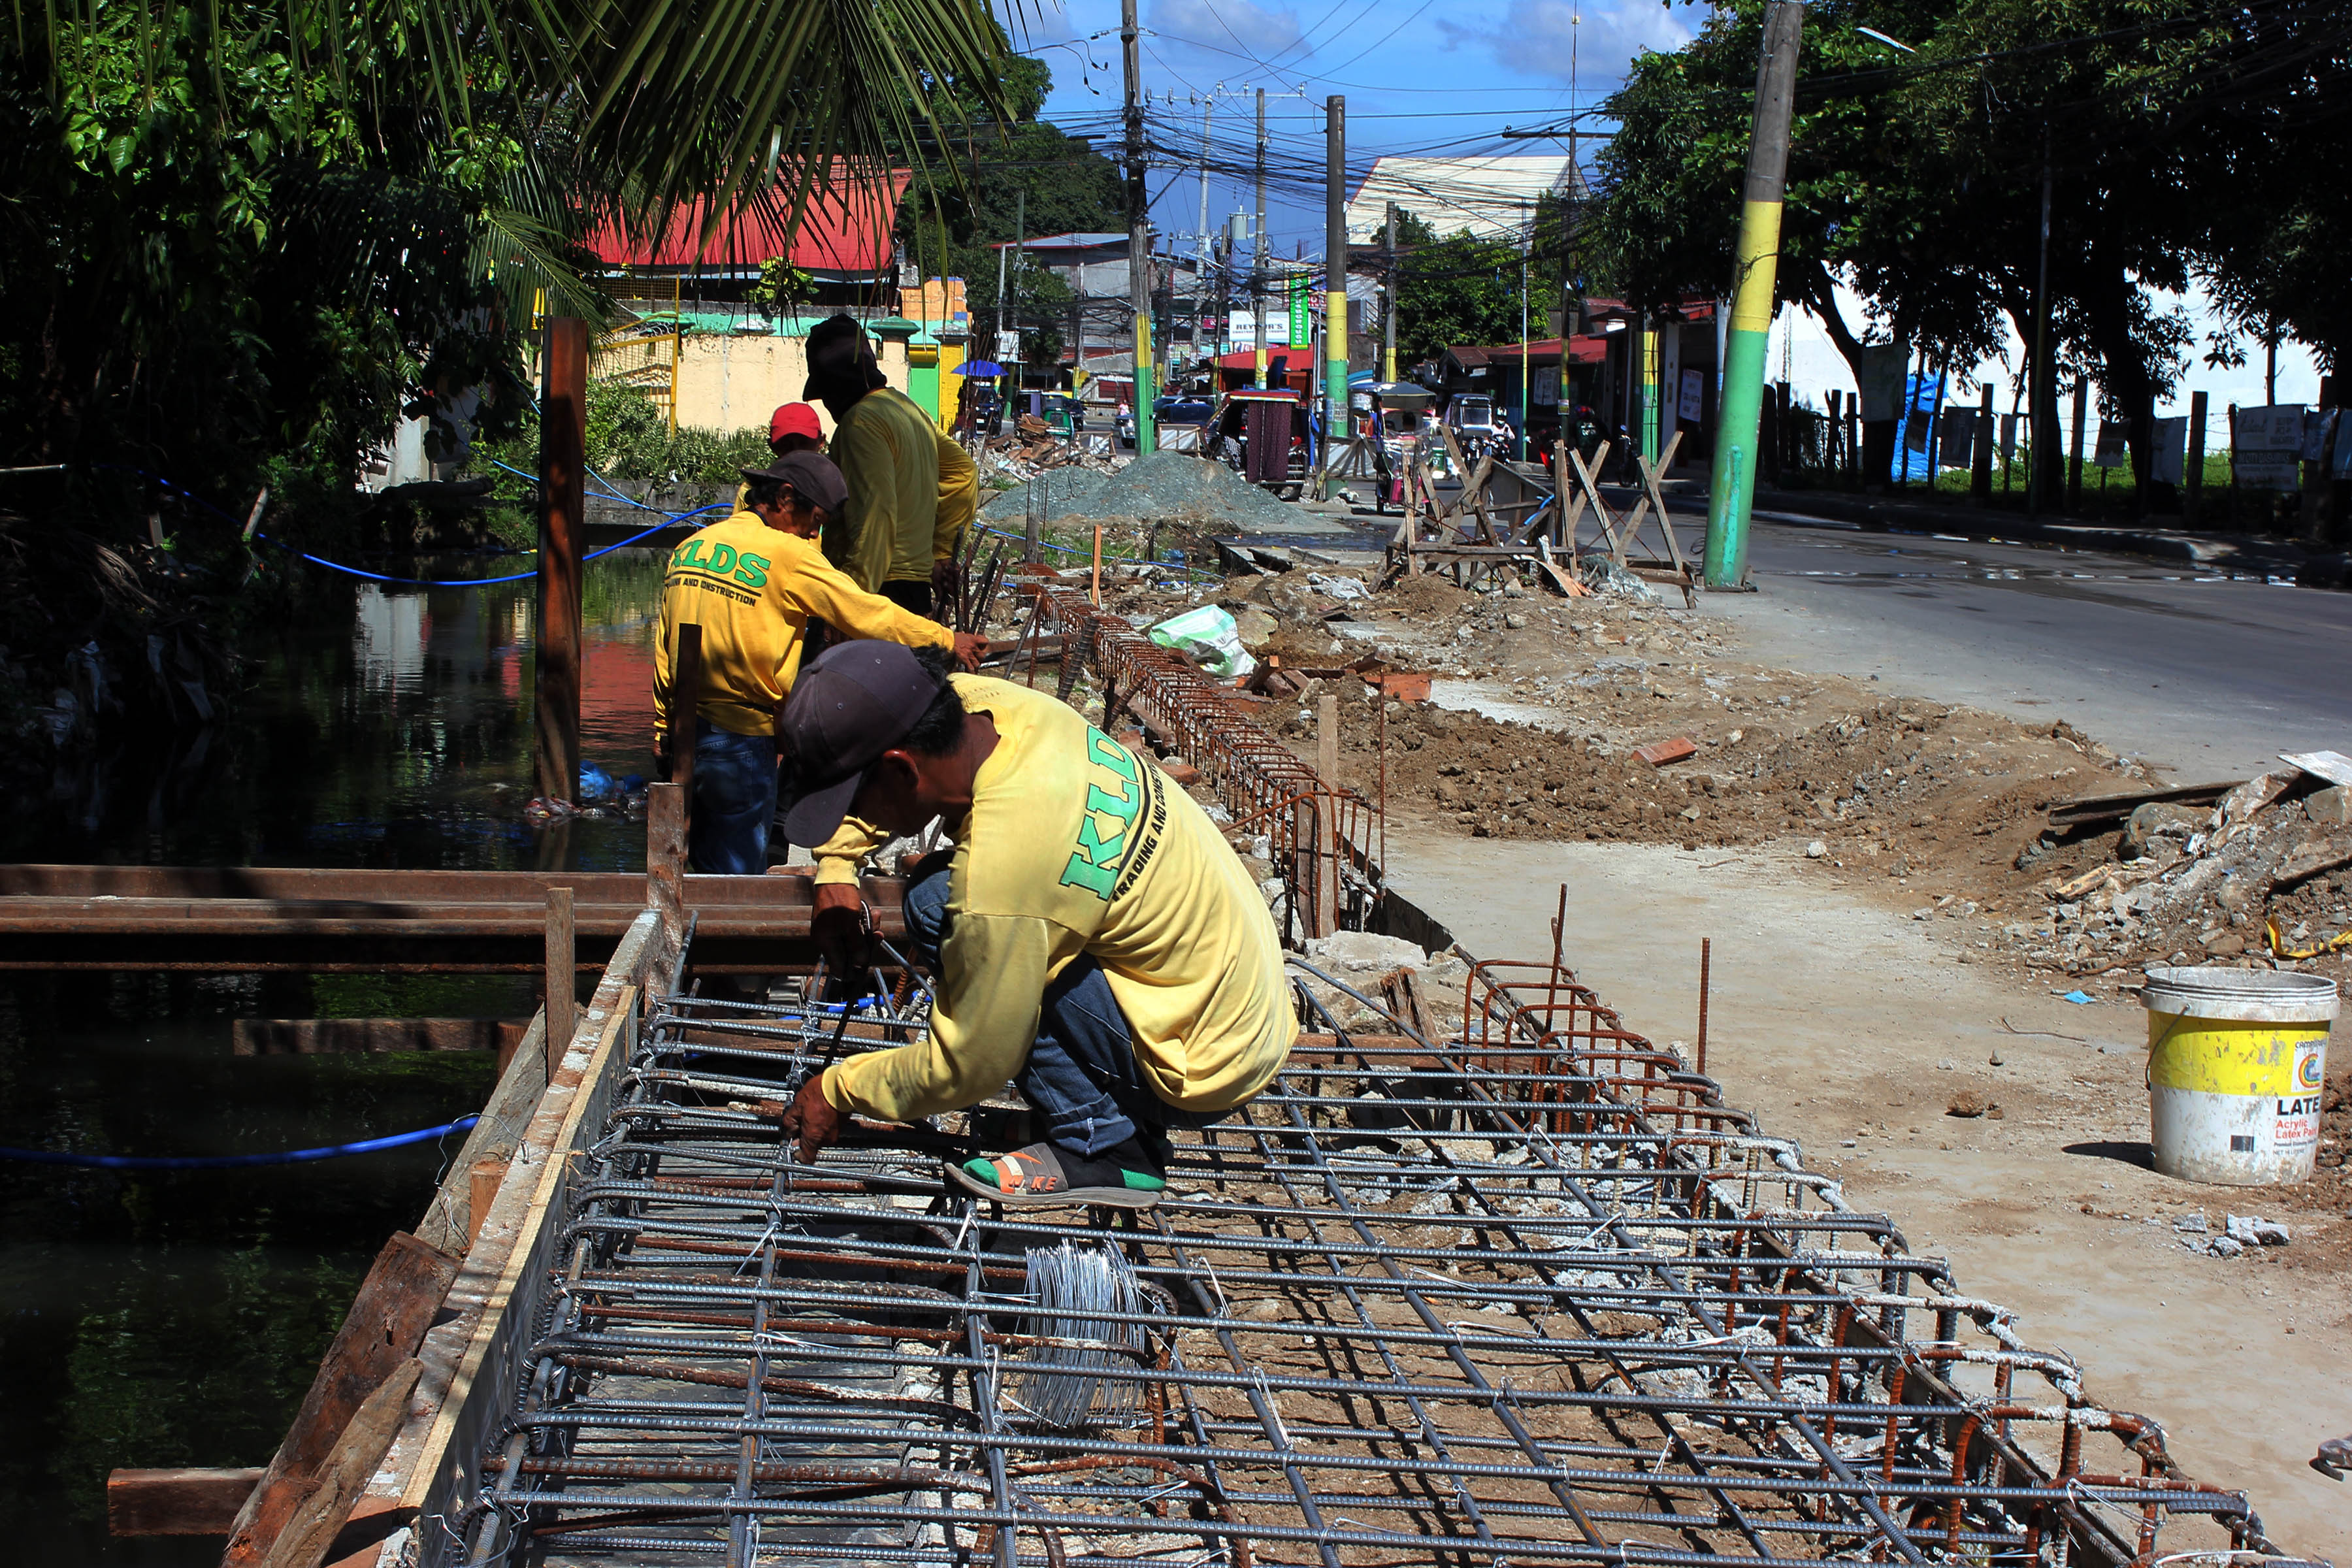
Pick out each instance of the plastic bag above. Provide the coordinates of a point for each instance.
(1209, 635)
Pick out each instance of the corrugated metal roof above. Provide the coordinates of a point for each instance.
(845, 231)
(1491, 197)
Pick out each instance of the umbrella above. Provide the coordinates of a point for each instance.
(980, 367)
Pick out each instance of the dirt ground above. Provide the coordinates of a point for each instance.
(1896, 928)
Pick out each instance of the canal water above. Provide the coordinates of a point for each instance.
(175, 1317)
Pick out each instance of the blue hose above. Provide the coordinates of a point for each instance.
(668, 520)
(231, 1162)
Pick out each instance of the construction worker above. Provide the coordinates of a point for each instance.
(1092, 935)
(752, 582)
(912, 492)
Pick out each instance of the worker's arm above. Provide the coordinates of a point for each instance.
(661, 683)
(838, 856)
(959, 501)
(992, 974)
(869, 468)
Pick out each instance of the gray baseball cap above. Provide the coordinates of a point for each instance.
(854, 701)
(813, 476)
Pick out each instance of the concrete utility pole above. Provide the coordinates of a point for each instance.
(1139, 225)
(562, 443)
(1257, 272)
(1732, 493)
(1335, 273)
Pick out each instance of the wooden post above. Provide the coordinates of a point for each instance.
(1094, 577)
(562, 443)
(1980, 449)
(253, 518)
(1326, 815)
(665, 856)
(562, 1000)
(482, 1179)
(2192, 472)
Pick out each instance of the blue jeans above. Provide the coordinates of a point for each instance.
(1081, 1077)
(734, 797)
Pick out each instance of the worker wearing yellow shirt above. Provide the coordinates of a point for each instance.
(752, 582)
(912, 490)
(1092, 936)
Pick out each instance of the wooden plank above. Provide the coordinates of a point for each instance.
(361, 1036)
(562, 1000)
(358, 1450)
(387, 1321)
(2092, 808)
(433, 1464)
(665, 884)
(176, 1503)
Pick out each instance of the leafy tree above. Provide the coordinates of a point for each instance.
(1458, 290)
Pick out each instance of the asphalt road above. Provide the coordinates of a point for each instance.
(2208, 676)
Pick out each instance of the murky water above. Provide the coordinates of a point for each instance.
(166, 1319)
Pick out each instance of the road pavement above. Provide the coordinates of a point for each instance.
(2207, 675)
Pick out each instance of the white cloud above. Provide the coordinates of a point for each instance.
(1558, 38)
(1236, 26)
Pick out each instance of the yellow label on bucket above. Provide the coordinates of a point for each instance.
(2218, 1055)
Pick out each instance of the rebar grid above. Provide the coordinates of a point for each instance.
(1321, 835)
(1525, 1294)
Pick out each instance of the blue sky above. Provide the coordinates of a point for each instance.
(1419, 77)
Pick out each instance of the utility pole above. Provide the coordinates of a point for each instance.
(1526, 242)
(1733, 489)
(1257, 272)
(1387, 316)
(1335, 273)
(1201, 248)
(1138, 224)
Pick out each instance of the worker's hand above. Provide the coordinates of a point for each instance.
(946, 577)
(970, 647)
(811, 1118)
(840, 930)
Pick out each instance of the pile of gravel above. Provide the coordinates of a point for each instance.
(1155, 485)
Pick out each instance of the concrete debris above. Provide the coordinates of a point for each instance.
(1658, 753)
(2224, 1247)
(2192, 1224)
(1968, 1105)
(1816, 849)
(2251, 1230)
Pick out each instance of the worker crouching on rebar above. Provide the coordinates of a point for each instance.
(752, 582)
(1093, 938)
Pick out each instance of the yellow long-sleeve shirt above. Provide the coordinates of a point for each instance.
(912, 492)
(1074, 845)
(752, 589)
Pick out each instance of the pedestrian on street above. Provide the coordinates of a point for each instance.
(752, 582)
(912, 492)
(1091, 935)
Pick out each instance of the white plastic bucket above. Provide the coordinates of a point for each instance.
(2236, 1060)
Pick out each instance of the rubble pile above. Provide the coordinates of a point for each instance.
(1154, 485)
(2264, 875)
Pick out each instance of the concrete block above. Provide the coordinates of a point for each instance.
(2332, 805)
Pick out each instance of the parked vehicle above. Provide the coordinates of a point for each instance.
(1183, 408)
(1272, 413)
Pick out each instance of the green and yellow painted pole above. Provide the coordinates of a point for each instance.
(1732, 494)
(1650, 423)
(1138, 232)
(1335, 277)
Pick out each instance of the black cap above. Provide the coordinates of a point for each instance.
(812, 475)
(853, 702)
(839, 355)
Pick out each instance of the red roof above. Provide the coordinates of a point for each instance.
(1246, 359)
(846, 228)
(1589, 349)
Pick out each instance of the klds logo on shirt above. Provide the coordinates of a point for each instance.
(1115, 793)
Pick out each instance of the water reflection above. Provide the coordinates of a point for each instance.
(176, 1318)
(399, 736)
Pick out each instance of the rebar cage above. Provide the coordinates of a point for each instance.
(1513, 1288)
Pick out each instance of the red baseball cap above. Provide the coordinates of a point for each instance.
(795, 419)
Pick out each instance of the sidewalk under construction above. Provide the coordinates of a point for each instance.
(1517, 1287)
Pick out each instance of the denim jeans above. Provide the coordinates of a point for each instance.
(1081, 1077)
(734, 797)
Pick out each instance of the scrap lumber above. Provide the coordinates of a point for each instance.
(326, 1503)
(2083, 810)
(394, 1307)
(187, 1501)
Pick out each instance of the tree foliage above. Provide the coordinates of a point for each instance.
(1918, 178)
